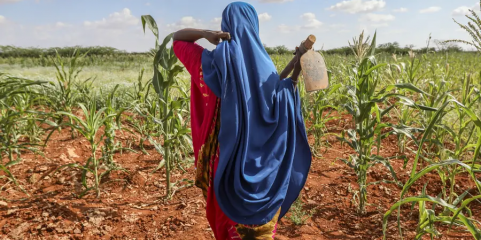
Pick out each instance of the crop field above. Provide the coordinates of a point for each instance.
(99, 147)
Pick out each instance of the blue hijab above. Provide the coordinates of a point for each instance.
(264, 154)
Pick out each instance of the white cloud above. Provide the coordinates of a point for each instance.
(9, 1)
(2, 19)
(62, 25)
(376, 20)
(430, 10)
(477, 7)
(337, 25)
(60, 34)
(116, 20)
(463, 10)
(187, 22)
(147, 4)
(358, 6)
(372, 17)
(339, 28)
(311, 21)
(283, 28)
(263, 17)
(275, 1)
(215, 23)
(401, 10)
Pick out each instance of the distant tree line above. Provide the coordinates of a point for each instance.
(395, 48)
(278, 50)
(33, 52)
(391, 48)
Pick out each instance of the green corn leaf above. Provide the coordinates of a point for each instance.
(464, 204)
(373, 45)
(368, 72)
(466, 222)
(157, 81)
(163, 57)
(150, 22)
(430, 168)
(12, 163)
(411, 87)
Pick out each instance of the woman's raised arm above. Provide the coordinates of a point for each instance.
(192, 35)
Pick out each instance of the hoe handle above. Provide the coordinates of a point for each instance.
(303, 48)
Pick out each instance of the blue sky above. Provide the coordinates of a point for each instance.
(116, 23)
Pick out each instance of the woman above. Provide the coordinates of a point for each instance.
(251, 150)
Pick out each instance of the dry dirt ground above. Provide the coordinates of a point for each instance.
(133, 209)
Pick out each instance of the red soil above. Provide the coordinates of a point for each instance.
(133, 209)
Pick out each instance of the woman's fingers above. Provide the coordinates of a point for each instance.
(224, 35)
(214, 37)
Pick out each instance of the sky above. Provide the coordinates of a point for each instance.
(116, 23)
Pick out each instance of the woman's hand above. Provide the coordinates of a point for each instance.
(214, 37)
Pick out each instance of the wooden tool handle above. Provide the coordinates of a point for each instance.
(307, 44)
(303, 48)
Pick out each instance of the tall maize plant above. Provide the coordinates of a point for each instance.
(173, 107)
(368, 105)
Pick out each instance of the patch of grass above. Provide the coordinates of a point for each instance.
(299, 215)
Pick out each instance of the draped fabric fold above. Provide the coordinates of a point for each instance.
(264, 155)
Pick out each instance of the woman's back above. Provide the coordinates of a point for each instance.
(259, 129)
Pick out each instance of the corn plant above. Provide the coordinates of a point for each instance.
(66, 76)
(438, 91)
(365, 105)
(410, 72)
(453, 208)
(322, 112)
(461, 132)
(172, 110)
(145, 105)
(90, 129)
(12, 117)
(24, 104)
(141, 90)
(63, 95)
(112, 124)
(142, 124)
(85, 91)
(360, 46)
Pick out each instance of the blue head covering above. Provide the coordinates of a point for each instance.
(264, 155)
